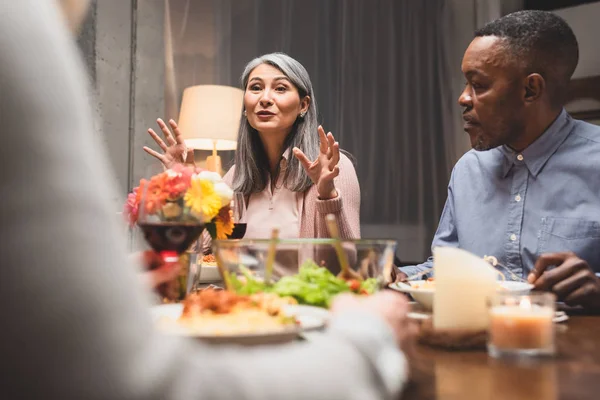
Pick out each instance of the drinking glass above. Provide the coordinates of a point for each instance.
(170, 230)
(238, 206)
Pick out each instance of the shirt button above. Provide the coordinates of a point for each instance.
(520, 157)
(518, 197)
(513, 237)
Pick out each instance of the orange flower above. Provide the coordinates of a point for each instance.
(156, 195)
(224, 222)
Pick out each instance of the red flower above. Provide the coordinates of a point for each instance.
(178, 181)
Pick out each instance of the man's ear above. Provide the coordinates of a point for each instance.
(535, 85)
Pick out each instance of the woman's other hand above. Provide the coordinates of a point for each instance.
(175, 150)
(325, 168)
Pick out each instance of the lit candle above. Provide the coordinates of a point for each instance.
(522, 324)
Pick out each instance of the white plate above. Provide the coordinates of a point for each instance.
(516, 288)
(424, 296)
(310, 318)
(560, 316)
(418, 312)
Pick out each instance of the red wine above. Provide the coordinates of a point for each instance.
(176, 237)
(239, 230)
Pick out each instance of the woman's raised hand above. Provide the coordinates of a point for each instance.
(175, 152)
(325, 168)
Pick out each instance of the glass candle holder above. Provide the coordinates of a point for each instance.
(521, 325)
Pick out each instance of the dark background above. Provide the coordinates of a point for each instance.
(554, 4)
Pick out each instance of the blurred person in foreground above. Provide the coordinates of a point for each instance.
(528, 192)
(75, 317)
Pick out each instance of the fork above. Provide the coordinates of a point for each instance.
(494, 261)
(419, 274)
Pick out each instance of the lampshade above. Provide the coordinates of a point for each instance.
(210, 116)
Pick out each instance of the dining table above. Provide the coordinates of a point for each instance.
(572, 373)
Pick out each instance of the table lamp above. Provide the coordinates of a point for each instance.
(210, 118)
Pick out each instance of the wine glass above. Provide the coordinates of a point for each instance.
(238, 206)
(169, 228)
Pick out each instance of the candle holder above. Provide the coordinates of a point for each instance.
(521, 325)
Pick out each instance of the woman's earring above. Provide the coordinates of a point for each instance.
(245, 113)
(302, 115)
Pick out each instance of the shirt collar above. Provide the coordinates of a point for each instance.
(537, 154)
(285, 158)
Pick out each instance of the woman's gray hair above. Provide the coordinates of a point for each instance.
(251, 161)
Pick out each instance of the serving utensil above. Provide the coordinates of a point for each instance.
(223, 271)
(346, 272)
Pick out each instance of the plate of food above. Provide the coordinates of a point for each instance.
(423, 290)
(220, 316)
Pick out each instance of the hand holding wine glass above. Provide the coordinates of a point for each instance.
(168, 226)
(157, 271)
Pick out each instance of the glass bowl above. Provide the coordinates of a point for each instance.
(368, 258)
(307, 269)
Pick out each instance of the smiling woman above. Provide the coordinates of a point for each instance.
(291, 172)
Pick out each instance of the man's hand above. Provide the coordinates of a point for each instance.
(572, 280)
(398, 276)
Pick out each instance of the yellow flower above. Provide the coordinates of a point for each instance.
(202, 199)
(224, 223)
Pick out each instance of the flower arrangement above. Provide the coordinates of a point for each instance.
(184, 193)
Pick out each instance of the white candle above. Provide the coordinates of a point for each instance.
(464, 283)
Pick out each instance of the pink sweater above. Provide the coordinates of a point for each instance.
(346, 207)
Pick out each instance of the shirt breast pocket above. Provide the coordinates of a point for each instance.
(580, 236)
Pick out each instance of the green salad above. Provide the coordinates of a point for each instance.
(313, 285)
